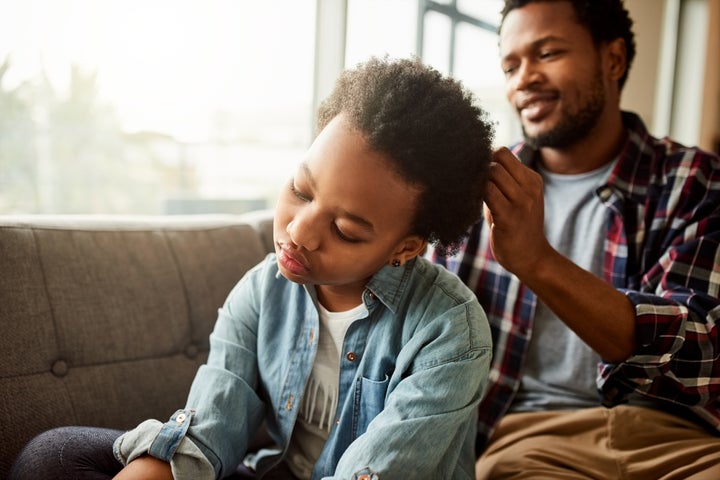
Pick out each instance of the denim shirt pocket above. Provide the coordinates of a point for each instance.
(369, 401)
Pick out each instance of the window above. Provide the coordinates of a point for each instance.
(179, 106)
(151, 107)
(459, 37)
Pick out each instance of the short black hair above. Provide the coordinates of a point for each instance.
(606, 20)
(434, 134)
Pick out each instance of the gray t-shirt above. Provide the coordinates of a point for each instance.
(560, 368)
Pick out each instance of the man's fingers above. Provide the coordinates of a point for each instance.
(495, 198)
(488, 215)
(505, 157)
(503, 184)
(515, 180)
(513, 166)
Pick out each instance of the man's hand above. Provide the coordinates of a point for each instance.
(514, 210)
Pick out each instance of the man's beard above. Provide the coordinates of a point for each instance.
(573, 126)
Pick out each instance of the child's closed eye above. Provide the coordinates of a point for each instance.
(295, 191)
(344, 237)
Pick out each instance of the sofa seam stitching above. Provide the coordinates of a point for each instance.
(53, 316)
(186, 294)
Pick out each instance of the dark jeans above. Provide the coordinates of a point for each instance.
(85, 453)
(68, 453)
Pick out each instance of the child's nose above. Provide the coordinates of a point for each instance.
(304, 232)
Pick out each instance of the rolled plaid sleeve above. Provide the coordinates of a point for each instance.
(670, 271)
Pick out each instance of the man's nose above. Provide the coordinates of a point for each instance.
(528, 73)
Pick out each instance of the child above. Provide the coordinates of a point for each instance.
(363, 359)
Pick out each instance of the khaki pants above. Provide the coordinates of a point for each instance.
(620, 443)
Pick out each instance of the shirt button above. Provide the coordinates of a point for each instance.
(364, 476)
(351, 356)
(180, 418)
(372, 296)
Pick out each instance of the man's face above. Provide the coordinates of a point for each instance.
(554, 75)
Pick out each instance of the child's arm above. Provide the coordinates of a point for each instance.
(145, 468)
(209, 437)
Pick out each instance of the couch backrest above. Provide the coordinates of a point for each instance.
(106, 319)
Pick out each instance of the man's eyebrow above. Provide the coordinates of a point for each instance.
(361, 221)
(550, 38)
(539, 43)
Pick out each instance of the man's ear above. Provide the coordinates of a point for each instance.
(409, 248)
(616, 58)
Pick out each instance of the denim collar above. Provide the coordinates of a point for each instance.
(388, 285)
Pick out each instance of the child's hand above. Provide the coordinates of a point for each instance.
(145, 468)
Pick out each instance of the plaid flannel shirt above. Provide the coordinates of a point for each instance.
(662, 250)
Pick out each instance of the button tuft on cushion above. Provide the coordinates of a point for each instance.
(191, 351)
(59, 368)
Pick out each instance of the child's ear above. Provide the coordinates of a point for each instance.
(409, 248)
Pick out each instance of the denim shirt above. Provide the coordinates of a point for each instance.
(411, 377)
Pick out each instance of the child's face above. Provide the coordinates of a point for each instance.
(344, 215)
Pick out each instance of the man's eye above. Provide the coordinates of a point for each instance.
(548, 54)
(508, 68)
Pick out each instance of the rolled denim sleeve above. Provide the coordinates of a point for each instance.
(209, 437)
(166, 442)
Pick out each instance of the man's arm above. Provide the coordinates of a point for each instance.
(600, 315)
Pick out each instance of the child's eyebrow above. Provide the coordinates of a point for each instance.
(362, 222)
(306, 170)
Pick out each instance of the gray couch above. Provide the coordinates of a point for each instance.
(106, 319)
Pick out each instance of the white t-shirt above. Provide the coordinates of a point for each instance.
(560, 368)
(319, 402)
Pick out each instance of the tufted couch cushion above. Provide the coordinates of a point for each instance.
(106, 319)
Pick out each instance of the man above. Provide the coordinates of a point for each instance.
(598, 263)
